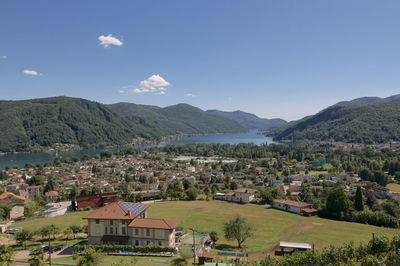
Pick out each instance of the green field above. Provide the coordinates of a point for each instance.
(62, 221)
(394, 187)
(271, 225)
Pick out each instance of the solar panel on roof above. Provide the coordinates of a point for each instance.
(136, 209)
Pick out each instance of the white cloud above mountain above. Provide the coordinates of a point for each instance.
(155, 84)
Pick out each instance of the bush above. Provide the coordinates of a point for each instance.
(118, 248)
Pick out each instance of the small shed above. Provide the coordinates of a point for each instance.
(290, 247)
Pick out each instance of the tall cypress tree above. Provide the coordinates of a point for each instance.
(358, 202)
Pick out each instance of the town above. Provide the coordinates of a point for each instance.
(114, 192)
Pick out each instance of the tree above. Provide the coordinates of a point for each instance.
(238, 229)
(49, 231)
(191, 193)
(67, 233)
(358, 201)
(75, 229)
(214, 236)
(185, 253)
(36, 257)
(89, 257)
(337, 203)
(23, 236)
(207, 191)
(6, 255)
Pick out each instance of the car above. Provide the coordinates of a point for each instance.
(179, 233)
(52, 249)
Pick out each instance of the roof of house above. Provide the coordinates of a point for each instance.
(246, 190)
(118, 211)
(153, 223)
(309, 210)
(294, 245)
(207, 255)
(51, 193)
(298, 204)
(10, 194)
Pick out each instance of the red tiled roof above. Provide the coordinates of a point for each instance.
(207, 255)
(153, 223)
(113, 211)
(10, 194)
(309, 210)
(245, 190)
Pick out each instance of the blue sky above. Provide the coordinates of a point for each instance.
(283, 59)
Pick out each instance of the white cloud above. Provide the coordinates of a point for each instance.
(155, 84)
(191, 95)
(4, 57)
(32, 72)
(121, 91)
(138, 90)
(108, 40)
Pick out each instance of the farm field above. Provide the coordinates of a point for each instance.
(271, 226)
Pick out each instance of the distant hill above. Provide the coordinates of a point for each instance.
(355, 121)
(363, 101)
(251, 121)
(180, 118)
(44, 122)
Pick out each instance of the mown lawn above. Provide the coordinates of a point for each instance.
(394, 187)
(271, 226)
(63, 221)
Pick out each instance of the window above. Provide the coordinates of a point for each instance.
(105, 230)
(136, 231)
(97, 221)
(147, 232)
(136, 242)
(116, 230)
(123, 231)
(123, 221)
(148, 242)
(111, 230)
(111, 222)
(159, 243)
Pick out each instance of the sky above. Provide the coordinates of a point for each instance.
(285, 58)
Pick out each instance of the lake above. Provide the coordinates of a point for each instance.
(20, 159)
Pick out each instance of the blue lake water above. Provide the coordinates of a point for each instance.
(20, 159)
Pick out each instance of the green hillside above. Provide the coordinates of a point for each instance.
(180, 118)
(251, 121)
(28, 124)
(377, 123)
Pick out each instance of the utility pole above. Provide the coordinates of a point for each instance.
(194, 247)
(49, 247)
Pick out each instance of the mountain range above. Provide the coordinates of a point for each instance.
(180, 118)
(33, 124)
(251, 121)
(362, 120)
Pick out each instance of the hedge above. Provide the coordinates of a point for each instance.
(118, 248)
